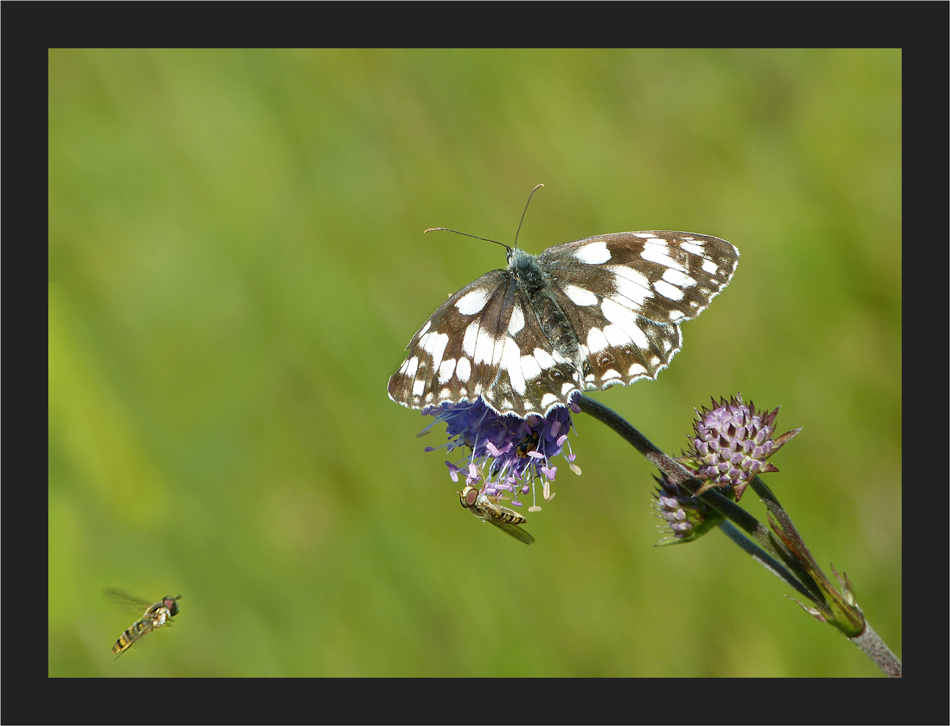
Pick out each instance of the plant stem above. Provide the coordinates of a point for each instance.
(771, 551)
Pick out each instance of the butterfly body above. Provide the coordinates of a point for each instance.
(537, 288)
(584, 315)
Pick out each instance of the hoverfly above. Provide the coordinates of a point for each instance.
(155, 616)
(487, 508)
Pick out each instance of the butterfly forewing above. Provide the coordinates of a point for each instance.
(667, 277)
(581, 316)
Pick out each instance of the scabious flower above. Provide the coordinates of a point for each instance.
(506, 454)
(732, 443)
(688, 518)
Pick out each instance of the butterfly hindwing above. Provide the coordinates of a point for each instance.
(533, 376)
(619, 346)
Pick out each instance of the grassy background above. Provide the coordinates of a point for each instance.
(236, 264)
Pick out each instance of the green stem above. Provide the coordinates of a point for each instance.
(782, 556)
(760, 542)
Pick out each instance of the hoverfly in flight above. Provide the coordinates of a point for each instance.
(155, 616)
(487, 508)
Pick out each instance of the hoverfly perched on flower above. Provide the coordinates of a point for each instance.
(487, 508)
(156, 615)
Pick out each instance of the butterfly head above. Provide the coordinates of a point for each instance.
(525, 267)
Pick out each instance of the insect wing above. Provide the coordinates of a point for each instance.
(625, 295)
(484, 508)
(460, 343)
(128, 602)
(666, 277)
(512, 529)
(493, 509)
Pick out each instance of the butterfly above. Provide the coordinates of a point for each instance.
(580, 316)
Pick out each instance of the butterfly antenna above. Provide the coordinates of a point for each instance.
(525, 212)
(485, 239)
(473, 236)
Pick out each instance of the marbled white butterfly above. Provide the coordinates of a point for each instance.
(580, 316)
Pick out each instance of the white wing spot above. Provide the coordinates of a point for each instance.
(472, 302)
(470, 338)
(517, 321)
(411, 366)
(596, 340)
(580, 296)
(511, 361)
(711, 267)
(544, 359)
(616, 335)
(636, 371)
(548, 399)
(692, 247)
(484, 348)
(626, 320)
(434, 344)
(595, 253)
(667, 290)
(463, 370)
(675, 277)
(446, 370)
(418, 386)
(632, 285)
(657, 250)
(530, 368)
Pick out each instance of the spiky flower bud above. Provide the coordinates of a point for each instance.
(732, 443)
(688, 518)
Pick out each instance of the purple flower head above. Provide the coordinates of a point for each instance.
(505, 454)
(732, 442)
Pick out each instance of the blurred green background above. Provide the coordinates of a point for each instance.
(236, 265)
